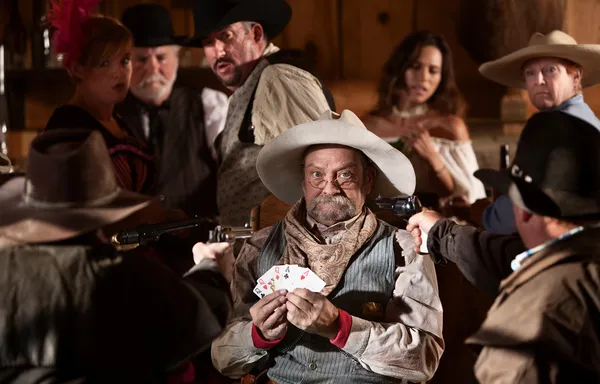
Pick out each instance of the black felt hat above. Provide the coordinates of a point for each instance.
(151, 26)
(556, 169)
(213, 15)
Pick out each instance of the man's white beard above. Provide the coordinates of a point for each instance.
(345, 208)
(149, 95)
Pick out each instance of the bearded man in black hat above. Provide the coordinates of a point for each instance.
(544, 326)
(73, 307)
(179, 123)
(271, 92)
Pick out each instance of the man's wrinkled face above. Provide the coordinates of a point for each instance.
(549, 83)
(233, 51)
(154, 72)
(336, 183)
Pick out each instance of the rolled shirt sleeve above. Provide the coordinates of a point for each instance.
(409, 344)
(286, 96)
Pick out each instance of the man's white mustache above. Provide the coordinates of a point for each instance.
(152, 79)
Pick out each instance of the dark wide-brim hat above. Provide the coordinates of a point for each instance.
(556, 169)
(151, 26)
(69, 189)
(213, 15)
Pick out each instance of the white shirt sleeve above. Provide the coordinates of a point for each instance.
(459, 157)
(215, 105)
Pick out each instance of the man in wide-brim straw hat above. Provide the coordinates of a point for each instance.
(379, 317)
(272, 91)
(553, 69)
(71, 306)
(543, 327)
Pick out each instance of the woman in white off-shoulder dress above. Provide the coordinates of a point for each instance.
(419, 112)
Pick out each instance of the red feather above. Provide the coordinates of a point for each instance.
(67, 17)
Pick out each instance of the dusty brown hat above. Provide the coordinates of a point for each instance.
(69, 189)
(507, 70)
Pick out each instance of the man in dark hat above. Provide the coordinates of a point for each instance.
(71, 305)
(272, 92)
(179, 123)
(544, 324)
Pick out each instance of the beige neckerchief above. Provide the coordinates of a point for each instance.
(330, 234)
(328, 261)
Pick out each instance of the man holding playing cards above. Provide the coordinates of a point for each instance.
(331, 293)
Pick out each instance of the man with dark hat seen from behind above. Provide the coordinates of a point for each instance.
(72, 306)
(179, 123)
(271, 92)
(544, 326)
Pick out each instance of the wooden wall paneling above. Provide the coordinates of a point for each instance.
(371, 30)
(314, 29)
(359, 96)
(183, 24)
(483, 96)
(583, 23)
(581, 20)
(489, 29)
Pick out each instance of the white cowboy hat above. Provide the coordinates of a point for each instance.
(508, 70)
(278, 163)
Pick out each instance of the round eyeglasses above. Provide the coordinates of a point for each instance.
(344, 181)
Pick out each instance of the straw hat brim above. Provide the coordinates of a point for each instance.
(508, 70)
(22, 223)
(279, 162)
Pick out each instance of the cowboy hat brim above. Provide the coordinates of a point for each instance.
(499, 181)
(273, 15)
(22, 223)
(278, 163)
(508, 70)
(540, 201)
(524, 195)
(161, 41)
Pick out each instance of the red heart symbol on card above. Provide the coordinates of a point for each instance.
(265, 286)
(302, 277)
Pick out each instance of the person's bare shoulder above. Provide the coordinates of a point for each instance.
(457, 128)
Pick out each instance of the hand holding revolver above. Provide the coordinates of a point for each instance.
(222, 253)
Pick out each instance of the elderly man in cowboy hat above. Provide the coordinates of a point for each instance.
(553, 69)
(179, 123)
(272, 92)
(379, 318)
(543, 327)
(71, 306)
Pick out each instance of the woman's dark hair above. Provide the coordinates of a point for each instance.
(445, 99)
